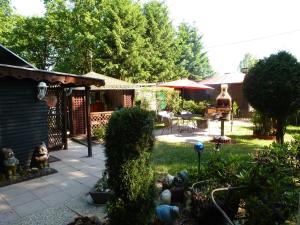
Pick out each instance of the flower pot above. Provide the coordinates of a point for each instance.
(100, 197)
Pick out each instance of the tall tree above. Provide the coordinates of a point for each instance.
(31, 39)
(248, 62)
(160, 42)
(6, 21)
(121, 41)
(192, 60)
(77, 26)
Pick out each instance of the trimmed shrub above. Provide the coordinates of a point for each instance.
(99, 133)
(129, 142)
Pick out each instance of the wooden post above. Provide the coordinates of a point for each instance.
(222, 127)
(88, 120)
(65, 118)
(71, 115)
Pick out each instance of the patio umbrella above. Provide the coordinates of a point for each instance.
(185, 84)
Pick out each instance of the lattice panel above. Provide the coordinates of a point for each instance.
(55, 119)
(78, 113)
(99, 119)
(127, 99)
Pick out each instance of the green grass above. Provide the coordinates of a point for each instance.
(173, 157)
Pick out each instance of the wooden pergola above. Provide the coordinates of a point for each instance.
(60, 81)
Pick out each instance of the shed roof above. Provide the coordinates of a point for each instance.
(51, 77)
(227, 78)
(110, 82)
(9, 58)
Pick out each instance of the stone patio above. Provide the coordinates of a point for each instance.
(57, 198)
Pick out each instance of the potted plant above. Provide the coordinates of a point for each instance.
(100, 193)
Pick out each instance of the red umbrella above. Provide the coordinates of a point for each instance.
(185, 84)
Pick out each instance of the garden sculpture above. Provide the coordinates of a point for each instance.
(40, 156)
(181, 179)
(199, 148)
(165, 197)
(167, 214)
(169, 179)
(10, 162)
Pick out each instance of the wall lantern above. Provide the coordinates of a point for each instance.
(42, 90)
(68, 91)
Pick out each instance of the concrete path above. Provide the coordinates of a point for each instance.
(55, 198)
(192, 135)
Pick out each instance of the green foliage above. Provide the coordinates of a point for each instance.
(99, 133)
(119, 38)
(194, 107)
(235, 109)
(160, 43)
(129, 142)
(271, 196)
(7, 21)
(263, 125)
(272, 87)
(102, 184)
(192, 60)
(248, 62)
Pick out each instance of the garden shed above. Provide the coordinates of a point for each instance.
(29, 118)
(104, 100)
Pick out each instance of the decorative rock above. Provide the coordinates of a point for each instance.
(167, 214)
(165, 197)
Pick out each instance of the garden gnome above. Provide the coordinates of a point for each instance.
(40, 156)
(167, 214)
(10, 162)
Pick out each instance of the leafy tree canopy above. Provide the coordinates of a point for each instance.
(119, 38)
(248, 62)
(272, 87)
(192, 59)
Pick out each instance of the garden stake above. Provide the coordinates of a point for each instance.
(199, 147)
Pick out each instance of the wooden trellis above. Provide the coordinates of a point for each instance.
(99, 119)
(56, 119)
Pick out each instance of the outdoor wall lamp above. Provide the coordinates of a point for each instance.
(68, 91)
(42, 90)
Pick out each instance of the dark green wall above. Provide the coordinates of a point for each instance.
(23, 118)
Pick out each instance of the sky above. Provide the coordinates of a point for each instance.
(229, 28)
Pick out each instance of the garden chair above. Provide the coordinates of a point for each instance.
(169, 121)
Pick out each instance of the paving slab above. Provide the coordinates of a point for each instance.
(42, 200)
(30, 207)
(21, 199)
(7, 216)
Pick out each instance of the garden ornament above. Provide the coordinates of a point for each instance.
(40, 156)
(169, 179)
(167, 214)
(181, 179)
(10, 162)
(199, 148)
(165, 197)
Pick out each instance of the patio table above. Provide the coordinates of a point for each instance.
(188, 122)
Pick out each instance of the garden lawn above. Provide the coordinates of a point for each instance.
(174, 157)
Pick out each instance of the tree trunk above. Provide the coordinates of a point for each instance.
(280, 125)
